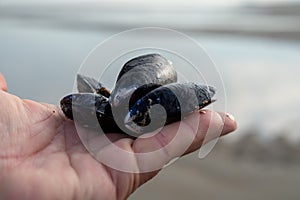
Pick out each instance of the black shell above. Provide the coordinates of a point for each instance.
(143, 70)
(177, 99)
(139, 76)
(86, 107)
(142, 83)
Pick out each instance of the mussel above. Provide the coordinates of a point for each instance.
(143, 83)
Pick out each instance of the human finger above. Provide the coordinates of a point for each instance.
(3, 85)
(179, 138)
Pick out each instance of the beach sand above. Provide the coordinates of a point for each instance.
(221, 176)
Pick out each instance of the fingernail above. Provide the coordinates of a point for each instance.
(202, 111)
(230, 116)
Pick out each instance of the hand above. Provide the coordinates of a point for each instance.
(41, 156)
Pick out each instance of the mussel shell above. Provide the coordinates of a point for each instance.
(89, 85)
(142, 83)
(143, 70)
(141, 74)
(141, 92)
(177, 99)
(90, 110)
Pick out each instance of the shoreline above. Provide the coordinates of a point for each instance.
(266, 21)
(96, 27)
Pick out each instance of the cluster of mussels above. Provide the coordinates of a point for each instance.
(143, 83)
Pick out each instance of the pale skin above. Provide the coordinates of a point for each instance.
(41, 156)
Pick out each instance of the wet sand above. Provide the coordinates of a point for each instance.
(219, 176)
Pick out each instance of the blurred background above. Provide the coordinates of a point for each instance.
(254, 43)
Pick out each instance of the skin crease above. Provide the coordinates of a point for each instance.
(41, 156)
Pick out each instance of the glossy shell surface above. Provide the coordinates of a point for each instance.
(140, 71)
(143, 83)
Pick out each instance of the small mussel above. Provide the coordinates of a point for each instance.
(90, 110)
(89, 85)
(146, 97)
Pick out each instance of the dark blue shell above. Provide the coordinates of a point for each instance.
(142, 83)
(86, 107)
(177, 99)
(140, 71)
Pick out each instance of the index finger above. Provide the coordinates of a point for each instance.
(182, 137)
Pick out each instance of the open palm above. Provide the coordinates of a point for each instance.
(42, 157)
